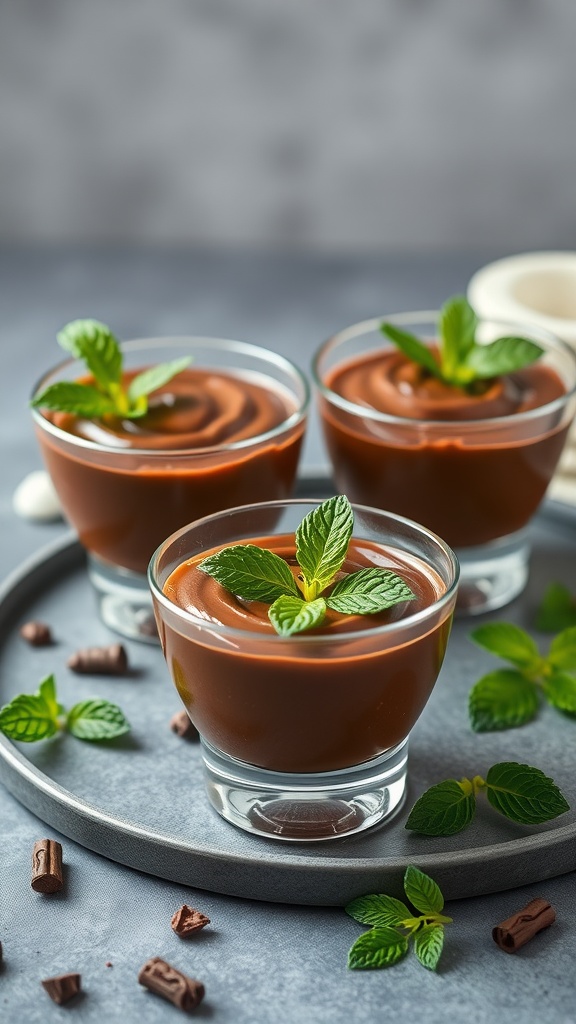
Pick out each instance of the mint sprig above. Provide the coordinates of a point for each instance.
(518, 791)
(31, 717)
(297, 604)
(394, 924)
(94, 343)
(507, 698)
(557, 609)
(461, 359)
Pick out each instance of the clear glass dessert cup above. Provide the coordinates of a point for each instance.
(124, 500)
(476, 482)
(305, 738)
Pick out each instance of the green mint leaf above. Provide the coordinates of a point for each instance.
(155, 377)
(291, 615)
(557, 610)
(250, 572)
(27, 718)
(560, 691)
(94, 342)
(505, 355)
(380, 947)
(80, 399)
(47, 693)
(443, 809)
(322, 543)
(562, 653)
(379, 910)
(422, 891)
(509, 642)
(502, 700)
(412, 347)
(523, 793)
(368, 591)
(457, 329)
(428, 945)
(96, 719)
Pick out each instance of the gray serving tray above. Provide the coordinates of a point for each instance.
(140, 800)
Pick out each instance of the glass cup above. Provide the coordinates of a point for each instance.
(124, 500)
(306, 737)
(475, 482)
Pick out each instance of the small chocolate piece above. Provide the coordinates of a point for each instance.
(186, 921)
(103, 661)
(47, 866)
(517, 930)
(62, 988)
(37, 634)
(182, 726)
(166, 981)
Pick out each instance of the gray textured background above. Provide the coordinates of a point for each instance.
(414, 124)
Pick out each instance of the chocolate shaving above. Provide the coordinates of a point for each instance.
(62, 988)
(47, 873)
(518, 929)
(187, 920)
(180, 724)
(104, 661)
(162, 979)
(37, 634)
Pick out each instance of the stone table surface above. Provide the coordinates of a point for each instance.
(260, 962)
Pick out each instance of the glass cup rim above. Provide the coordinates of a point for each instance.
(232, 633)
(447, 426)
(226, 344)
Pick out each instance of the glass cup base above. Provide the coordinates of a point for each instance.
(492, 575)
(124, 600)
(306, 807)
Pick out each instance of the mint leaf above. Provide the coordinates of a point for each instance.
(562, 653)
(27, 718)
(523, 793)
(81, 399)
(380, 947)
(502, 700)
(155, 377)
(368, 591)
(322, 543)
(412, 347)
(457, 329)
(96, 719)
(379, 910)
(509, 642)
(557, 610)
(560, 691)
(443, 809)
(505, 355)
(47, 693)
(428, 945)
(422, 891)
(250, 572)
(291, 615)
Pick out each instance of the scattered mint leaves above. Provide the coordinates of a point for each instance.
(297, 604)
(518, 791)
(557, 609)
(394, 924)
(94, 343)
(462, 360)
(508, 698)
(31, 717)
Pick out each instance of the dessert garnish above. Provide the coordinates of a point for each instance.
(187, 920)
(37, 634)
(297, 601)
(518, 791)
(62, 988)
(47, 874)
(394, 924)
(94, 343)
(460, 360)
(557, 609)
(510, 697)
(30, 717)
(164, 980)
(111, 660)
(519, 928)
(183, 726)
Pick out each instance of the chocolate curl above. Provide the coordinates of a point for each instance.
(182, 726)
(103, 661)
(162, 979)
(37, 634)
(517, 930)
(62, 988)
(186, 921)
(47, 873)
